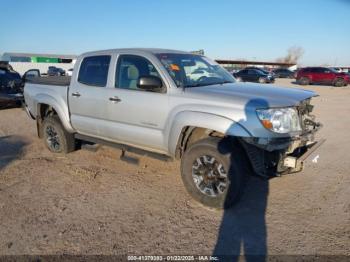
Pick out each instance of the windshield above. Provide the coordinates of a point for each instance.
(263, 70)
(334, 70)
(189, 70)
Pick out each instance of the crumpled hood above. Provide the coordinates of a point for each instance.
(242, 93)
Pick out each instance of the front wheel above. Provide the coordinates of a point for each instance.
(213, 173)
(339, 82)
(262, 80)
(304, 81)
(56, 138)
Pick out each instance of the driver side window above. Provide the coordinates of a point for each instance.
(130, 68)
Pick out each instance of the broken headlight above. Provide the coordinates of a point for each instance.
(280, 120)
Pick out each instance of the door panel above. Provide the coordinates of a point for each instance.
(87, 94)
(87, 108)
(134, 115)
(138, 117)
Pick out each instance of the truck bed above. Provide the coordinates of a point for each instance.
(50, 80)
(48, 90)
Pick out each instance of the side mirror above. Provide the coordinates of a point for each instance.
(149, 83)
(31, 74)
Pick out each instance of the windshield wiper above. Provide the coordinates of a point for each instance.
(207, 84)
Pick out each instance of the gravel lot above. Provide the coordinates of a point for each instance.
(93, 203)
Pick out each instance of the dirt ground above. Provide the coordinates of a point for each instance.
(94, 203)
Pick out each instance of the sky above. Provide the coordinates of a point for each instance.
(250, 30)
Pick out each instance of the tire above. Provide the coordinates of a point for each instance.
(214, 157)
(304, 81)
(56, 138)
(339, 82)
(262, 80)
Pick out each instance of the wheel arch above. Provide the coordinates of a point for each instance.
(47, 105)
(337, 78)
(189, 127)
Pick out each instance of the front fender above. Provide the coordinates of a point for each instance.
(60, 107)
(202, 120)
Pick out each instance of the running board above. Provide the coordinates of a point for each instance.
(124, 148)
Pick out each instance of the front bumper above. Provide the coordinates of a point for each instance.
(285, 158)
(278, 156)
(292, 164)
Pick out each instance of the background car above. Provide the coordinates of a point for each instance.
(283, 73)
(11, 87)
(338, 70)
(55, 71)
(254, 75)
(264, 70)
(322, 75)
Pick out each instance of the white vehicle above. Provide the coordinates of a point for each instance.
(69, 72)
(200, 73)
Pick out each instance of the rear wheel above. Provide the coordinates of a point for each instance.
(304, 81)
(213, 172)
(339, 82)
(56, 138)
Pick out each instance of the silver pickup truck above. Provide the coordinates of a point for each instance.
(177, 105)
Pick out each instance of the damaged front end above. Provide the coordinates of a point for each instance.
(283, 155)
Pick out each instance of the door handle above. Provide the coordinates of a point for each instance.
(76, 94)
(115, 99)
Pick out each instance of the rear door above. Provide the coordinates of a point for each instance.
(253, 75)
(88, 94)
(317, 75)
(327, 76)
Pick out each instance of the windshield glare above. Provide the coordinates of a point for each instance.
(189, 70)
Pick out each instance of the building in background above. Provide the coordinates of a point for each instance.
(21, 62)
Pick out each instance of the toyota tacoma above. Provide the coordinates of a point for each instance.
(154, 102)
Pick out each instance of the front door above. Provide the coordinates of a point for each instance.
(133, 115)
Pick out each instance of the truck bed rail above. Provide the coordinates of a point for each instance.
(50, 80)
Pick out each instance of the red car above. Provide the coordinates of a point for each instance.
(322, 75)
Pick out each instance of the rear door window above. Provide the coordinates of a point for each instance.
(94, 70)
(318, 70)
(253, 72)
